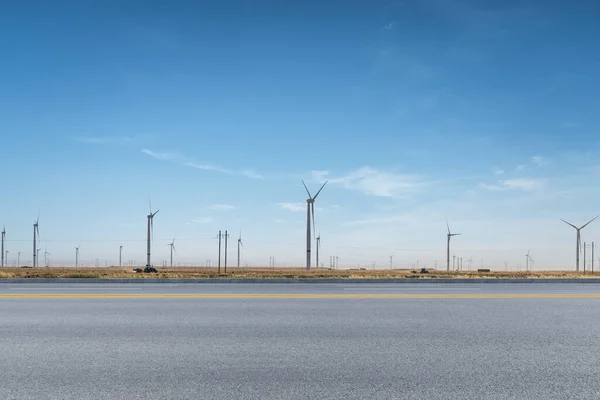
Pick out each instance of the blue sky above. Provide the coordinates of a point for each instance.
(484, 112)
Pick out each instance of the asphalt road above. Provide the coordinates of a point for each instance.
(317, 347)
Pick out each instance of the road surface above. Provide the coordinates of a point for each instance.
(283, 341)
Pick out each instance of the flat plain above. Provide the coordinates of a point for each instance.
(232, 341)
(234, 272)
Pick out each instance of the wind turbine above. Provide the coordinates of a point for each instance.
(448, 246)
(46, 254)
(38, 253)
(578, 243)
(310, 209)
(318, 248)
(239, 244)
(172, 245)
(77, 255)
(3, 236)
(19, 259)
(527, 258)
(36, 235)
(150, 234)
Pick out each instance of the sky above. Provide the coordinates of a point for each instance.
(483, 113)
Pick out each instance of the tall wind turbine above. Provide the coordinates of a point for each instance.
(77, 256)
(527, 258)
(239, 244)
(172, 245)
(448, 246)
(310, 210)
(36, 235)
(150, 233)
(578, 243)
(3, 236)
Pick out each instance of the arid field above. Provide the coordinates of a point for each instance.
(202, 272)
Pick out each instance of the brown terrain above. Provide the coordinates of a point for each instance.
(233, 272)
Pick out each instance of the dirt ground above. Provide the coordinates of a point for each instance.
(233, 272)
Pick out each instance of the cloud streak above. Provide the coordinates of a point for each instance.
(294, 207)
(108, 140)
(516, 184)
(374, 182)
(188, 162)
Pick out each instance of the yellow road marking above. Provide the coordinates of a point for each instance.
(291, 296)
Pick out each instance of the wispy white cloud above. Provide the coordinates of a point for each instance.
(252, 174)
(374, 182)
(202, 220)
(188, 162)
(295, 207)
(498, 171)
(206, 167)
(516, 184)
(539, 161)
(108, 140)
(222, 207)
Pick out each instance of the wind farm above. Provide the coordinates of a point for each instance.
(398, 269)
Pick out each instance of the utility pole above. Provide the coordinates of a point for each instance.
(120, 254)
(226, 237)
(219, 263)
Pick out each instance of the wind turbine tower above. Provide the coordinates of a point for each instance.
(310, 210)
(46, 254)
(239, 245)
(150, 232)
(77, 256)
(36, 235)
(318, 248)
(172, 245)
(3, 236)
(448, 246)
(578, 243)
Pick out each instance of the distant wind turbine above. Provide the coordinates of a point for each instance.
(150, 217)
(77, 255)
(172, 245)
(318, 248)
(46, 254)
(36, 236)
(578, 243)
(310, 211)
(239, 244)
(3, 237)
(448, 246)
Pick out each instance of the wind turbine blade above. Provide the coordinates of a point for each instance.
(568, 223)
(314, 198)
(589, 222)
(309, 196)
(447, 226)
(241, 243)
(155, 213)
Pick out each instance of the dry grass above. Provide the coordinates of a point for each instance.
(249, 273)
